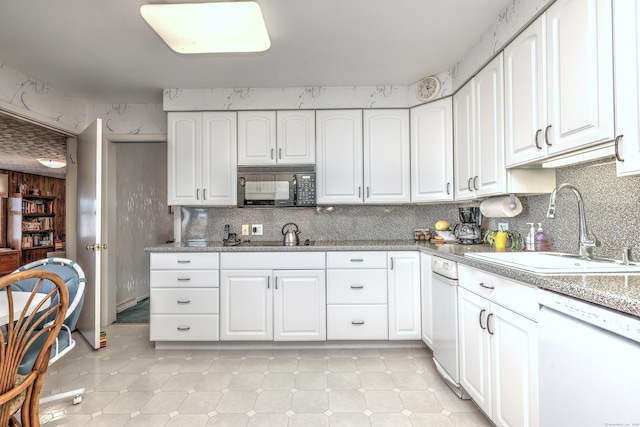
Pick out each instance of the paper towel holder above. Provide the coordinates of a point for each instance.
(512, 201)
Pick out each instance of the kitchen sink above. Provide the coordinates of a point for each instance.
(550, 263)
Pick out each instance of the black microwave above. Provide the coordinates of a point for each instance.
(276, 186)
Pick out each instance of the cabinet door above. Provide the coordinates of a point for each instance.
(432, 152)
(464, 142)
(580, 73)
(256, 137)
(475, 363)
(627, 77)
(246, 305)
(490, 173)
(339, 156)
(426, 299)
(184, 158)
(387, 175)
(514, 351)
(296, 137)
(219, 154)
(525, 96)
(403, 283)
(299, 305)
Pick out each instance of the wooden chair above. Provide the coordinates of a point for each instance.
(26, 317)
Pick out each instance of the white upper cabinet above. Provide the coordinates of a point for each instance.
(432, 139)
(296, 137)
(627, 77)
(525, 96)
(386, 156)
(270, 137)
(559, 82)
(256, 137)
(478, 110)
(201, 158)
(579, 74)
(339, 176)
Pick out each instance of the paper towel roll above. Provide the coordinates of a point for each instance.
(498, 207)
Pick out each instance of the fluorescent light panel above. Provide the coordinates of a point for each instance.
(222, 27)
(582, 156)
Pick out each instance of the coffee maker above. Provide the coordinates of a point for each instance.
(469, 231)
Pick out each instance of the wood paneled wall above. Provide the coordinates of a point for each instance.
(55, 186)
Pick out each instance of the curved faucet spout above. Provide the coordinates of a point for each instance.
(586, 243)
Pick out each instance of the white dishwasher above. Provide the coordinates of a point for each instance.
(589, 364)
(445, 322)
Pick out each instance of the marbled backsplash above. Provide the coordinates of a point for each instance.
(612, 207)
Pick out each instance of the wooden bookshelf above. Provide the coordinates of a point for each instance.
(31, 225)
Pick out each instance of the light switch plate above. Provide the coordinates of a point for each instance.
(256, 229)
(245, 229)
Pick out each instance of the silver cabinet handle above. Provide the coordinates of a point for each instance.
(204, 194)
(357, 260)
(486, 286)
(268, 282)
(488, 324)
(184, 261)
(480, 318)
(357, 286)
(475, 182)
(392, 263)
(469, 184)
(357, 322)
(537, 138)
(184, 279)
(616, 145)
(280, 153)
(197, 194)
(546, 136)
(183, 328)
(276, 283)
(272, 153)
(359, 191)
(184, 301)
(368, 192)
(448, 188)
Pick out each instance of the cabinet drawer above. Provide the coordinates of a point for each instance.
(356, 260)
(184, 327)
(184, 301)
(357, 322)
(356, 286)
(184, 261)
(187, 279)
(272, 261)
(516, 296)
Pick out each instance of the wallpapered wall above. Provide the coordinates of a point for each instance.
(612, 206)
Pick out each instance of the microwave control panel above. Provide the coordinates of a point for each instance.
(306, 187)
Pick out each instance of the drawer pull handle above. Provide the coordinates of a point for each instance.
(184, 301)
(183, 261)
(357, 260)
(184, 279)
(486, 286)
(357, 322)
(488, 324)
(357, 286)
(184, 328)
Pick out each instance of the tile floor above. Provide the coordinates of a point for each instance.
(129, 383)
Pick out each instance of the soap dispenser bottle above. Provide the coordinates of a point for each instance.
(530, 241)
(541, 241)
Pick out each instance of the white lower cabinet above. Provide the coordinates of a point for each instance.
(403, 282)
(498, 347)
(268, 304)
(357, 296)
(184, 297)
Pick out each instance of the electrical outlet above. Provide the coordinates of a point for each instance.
(503, 226)
(256, 229)
(245, 229)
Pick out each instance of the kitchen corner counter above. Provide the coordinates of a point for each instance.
(616, 291)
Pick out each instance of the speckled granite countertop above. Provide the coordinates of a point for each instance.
(617, 291)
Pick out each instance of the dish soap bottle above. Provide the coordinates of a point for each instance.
(530, 242)
(541, 241)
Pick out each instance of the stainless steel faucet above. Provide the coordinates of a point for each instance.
(586, 243)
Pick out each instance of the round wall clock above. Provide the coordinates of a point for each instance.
(428, 88)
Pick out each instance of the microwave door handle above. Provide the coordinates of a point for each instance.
(294, 184)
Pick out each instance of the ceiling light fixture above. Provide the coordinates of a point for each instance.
(54, 164)
(220, 27)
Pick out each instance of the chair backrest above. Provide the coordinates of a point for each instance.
(26, 318)
(73, 276)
